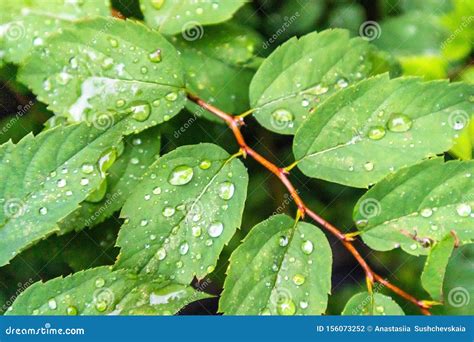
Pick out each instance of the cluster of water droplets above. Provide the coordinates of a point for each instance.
(189, 215)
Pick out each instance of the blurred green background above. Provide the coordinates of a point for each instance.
(430, 38)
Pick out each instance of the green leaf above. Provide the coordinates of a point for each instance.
(407, 35)
(369, 130)
(105, 66)
(303, 72)
(459, 283)
(140, 151)
(374, 305)
(43, 180)
(282, 267)
(181, 215)
(25, 24)
(435, 267)
(418, 206)
(100, 291)
(187, 16)
(225, 50)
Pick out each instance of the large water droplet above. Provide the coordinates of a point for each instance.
(43, 210)
(155, 56)
(184, 248)
(181, 175)
(157, 190)
(464, 209)
(107, 159)
(399, 122)
(71, 310)
(101, 306)
(61, 183)
(286, 307)
(215, 229)
(99, 282)
(161, 254)
(168, 211)
(98, 194)
(87, 168)
(298, 279)
(173, 96)
(113, 42)
(205, 164)
(140, 110)
(196, 230)
(226, 190)
(427, 212)
(52, 304)
(376, 132)
(307, 247)
(282, 116)
(283, 241)
(157, 4)
(369, 166)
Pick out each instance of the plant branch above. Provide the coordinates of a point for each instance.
(235, 123)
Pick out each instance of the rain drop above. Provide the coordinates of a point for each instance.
(298, 279)
(43, 210)
(184, 248)
(155, 56)
(196, 231)
(181, 175)
(369, 166)
(61, 183)
(307, 247)
(283, 241)
(161, 254)
(173, 96)
(140, 111)
(427, 212)
(286, 308)
(87, 168)
(168, 211)
(464, 209)
(99, 282)
(226, 190)
(282, 116)
(205, 164)
(157, 4)
(215, 229)
(52, 304)
(376, 132)
(399, 122)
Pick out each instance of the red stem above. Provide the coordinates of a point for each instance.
(234, 123)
